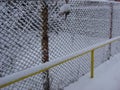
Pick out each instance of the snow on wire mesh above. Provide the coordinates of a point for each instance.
(20, 39)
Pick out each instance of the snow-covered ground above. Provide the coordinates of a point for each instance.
(22, 42)
(107, 77)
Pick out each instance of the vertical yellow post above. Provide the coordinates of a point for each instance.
(92, 64)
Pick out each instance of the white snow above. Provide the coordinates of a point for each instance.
(107, 77)
(99, 0)
(50, 64)
(65, 8)
(0, 63)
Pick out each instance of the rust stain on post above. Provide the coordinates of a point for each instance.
(44, 44)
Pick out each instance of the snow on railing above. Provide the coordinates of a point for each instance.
(87, 23)
(16, 77)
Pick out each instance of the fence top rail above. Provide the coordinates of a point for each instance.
(75, 1)
(105, 1)
(16, 77)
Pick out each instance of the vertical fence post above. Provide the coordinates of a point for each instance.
(44, 44)
(111, 20)
(92, 64)
(111, 28)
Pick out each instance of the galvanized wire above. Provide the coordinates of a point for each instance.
(21, 32)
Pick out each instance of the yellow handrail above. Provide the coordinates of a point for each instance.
(16, 77)
(92, 63)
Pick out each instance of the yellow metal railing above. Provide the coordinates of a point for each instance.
(16, 77)
(92, 63)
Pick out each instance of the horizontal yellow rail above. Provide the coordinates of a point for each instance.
(16, 77)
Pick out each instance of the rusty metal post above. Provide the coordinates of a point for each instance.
(44, 44)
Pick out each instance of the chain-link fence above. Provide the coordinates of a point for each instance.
(88, 23)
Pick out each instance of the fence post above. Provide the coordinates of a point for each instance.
(44, 44)
(111, 27)
(92, 64)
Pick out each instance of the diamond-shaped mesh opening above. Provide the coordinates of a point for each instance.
(21, 24)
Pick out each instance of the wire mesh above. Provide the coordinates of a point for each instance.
(19, 36)
(21, 32)
(116, 27)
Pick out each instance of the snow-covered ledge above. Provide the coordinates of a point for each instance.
(65, 8)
